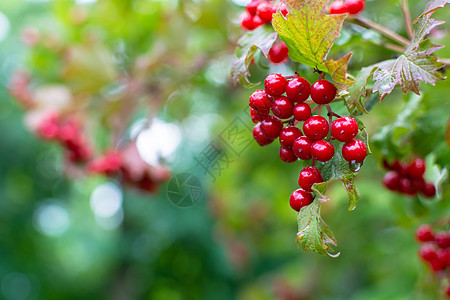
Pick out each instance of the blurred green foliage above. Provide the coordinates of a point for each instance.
(238, 242)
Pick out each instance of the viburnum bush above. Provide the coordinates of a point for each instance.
(314, 103)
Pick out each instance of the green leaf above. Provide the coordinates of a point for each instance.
(432, 6)
(309, 34)
(358, 91)
(261, 38)
(414, 65)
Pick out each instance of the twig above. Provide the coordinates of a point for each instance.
(407, 18)
(445, 61)
(368, 24)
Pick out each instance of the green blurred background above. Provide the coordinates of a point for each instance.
(88, 238)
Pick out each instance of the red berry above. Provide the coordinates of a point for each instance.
(247, 21)
(300, 198)
(309, 176)
(316, 128)
(298, 89)
(265, 11)
(392, 181)
(289, 134)
(323, 91)
(108, 164)
(257, 21)
(424, 233)
(252, 7)
(355, 150)
(275, 84)
(418, 184)
(302, 112)
(322, 150)
(259, 136)
(282, 107)
(278, 53)
(287, 155)
(337, 7)
(406, 187)
(444, 256)
(428, 252)
(429, 190)
(344, 129)
(354, 7)
(302, 148)
(442, 239)
(437, 265)
(416, 169)
(260, 102)
(271, 127)
(447, 291)
(283, 9)
(256, 116)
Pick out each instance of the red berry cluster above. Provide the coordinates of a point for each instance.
(352, 7)
(435, 250)
(68, 133)
(285, 99)
(259, 12)
(407, 178)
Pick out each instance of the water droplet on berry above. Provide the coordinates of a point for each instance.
(355, 166)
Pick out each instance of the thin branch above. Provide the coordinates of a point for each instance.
(445, 61)
(407, 18)
(368, 24)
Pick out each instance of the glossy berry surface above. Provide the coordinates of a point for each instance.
(259, 136)
(354, 7)
(256, 116)
(417, 168)
(429, 190)
(300, 198)
(391, 180)
(289, 134)
(406, 187)
(271, 127)
(278, 53)
(298, 89)
(247, 21)
(316, 128)
(344, 129)
(424, 233)
(308, 176)
(323, 91)
(322, 150)
(427, 252)
(282, 107)
(252, 7)
(265, 11)
(442, 239)
(337, 7)
(302, 112)
(287, 155)
(260, 101)
(275, 84)
(355, 150)
(283, 9)
(302, 148)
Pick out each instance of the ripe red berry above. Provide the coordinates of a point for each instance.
(252, 7)
(256, 116)
(355, 150)
(283, 9)
(287, 155)
(344, 129)
(406, 186)
(354, 7)
(392, 181)
(247, 21)
(437, 265)
(428, 252)
(260, 102)
(429, 190)
(289, 134)
(302, 148)
(337, 7)
(302, 112)
(424, 233)
(265, 11)
(442, 239)
(259, 136)
(278, 53)
(322, 150)
(257, 21)
(418, 184)
(300, 198)
(282, 107)
(416, 168)
(298, 89)
(316, 128)
(309, 176)
(323, 91)
(443, 254)
(447, 291)
(271, 127)
(275, 84)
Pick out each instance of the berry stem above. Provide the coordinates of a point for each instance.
(407, 18)
(315, 108)
(331, 113)
(368, 24)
